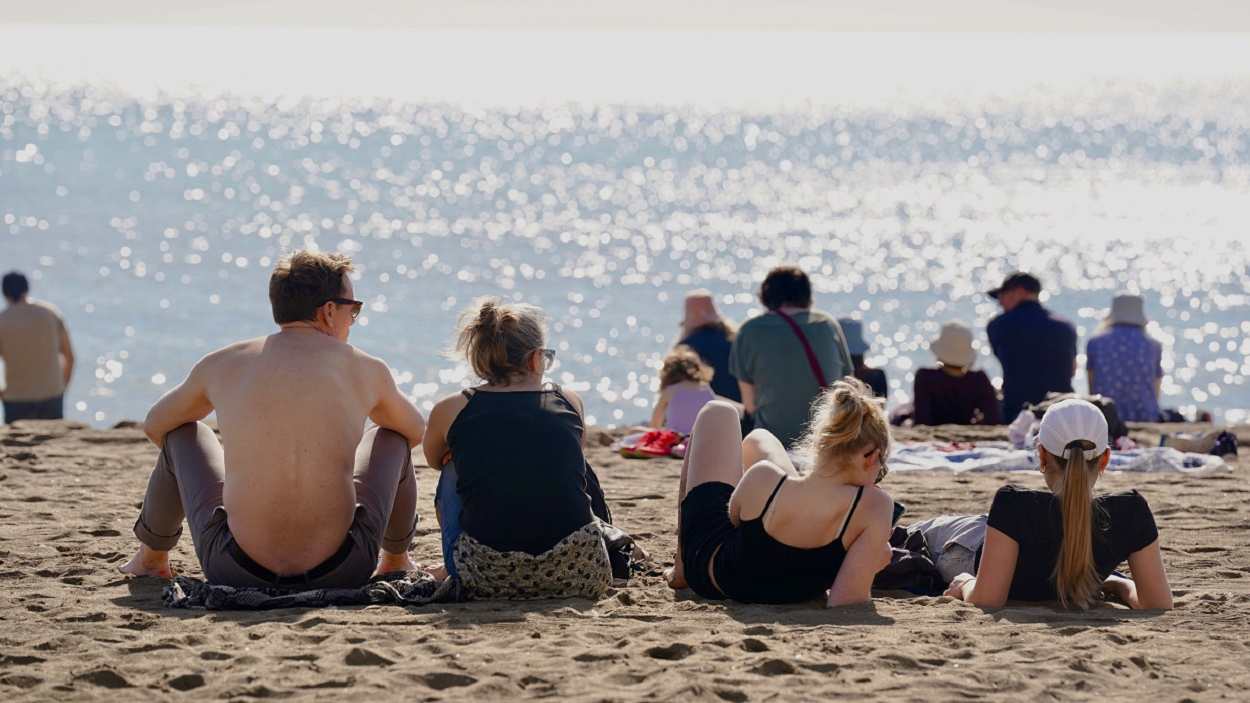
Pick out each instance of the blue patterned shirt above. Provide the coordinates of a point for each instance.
(1125, 363)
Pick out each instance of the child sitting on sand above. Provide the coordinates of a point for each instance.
(684, 390)
(751, 529)
(1060, 544)
(519, 522)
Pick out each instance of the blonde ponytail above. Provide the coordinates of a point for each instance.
(1076, 579)
(846, 418)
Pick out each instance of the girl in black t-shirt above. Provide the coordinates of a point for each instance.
(1064, 544)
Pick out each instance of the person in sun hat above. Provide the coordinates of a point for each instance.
(1063, 543)
(710, 335)
(1124, 363)
(952, 393)
(858, 346)
(1036, 349)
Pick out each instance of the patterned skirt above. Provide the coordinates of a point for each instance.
(576, 567)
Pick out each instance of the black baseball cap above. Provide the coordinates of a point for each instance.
(1019, 279)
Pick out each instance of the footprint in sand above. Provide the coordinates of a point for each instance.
(186, 682)
(774, 667)
(441, 680)
(363, 657)
(104, 678)
(673, 652)
(751, 644)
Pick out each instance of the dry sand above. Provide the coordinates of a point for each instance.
(72, 628)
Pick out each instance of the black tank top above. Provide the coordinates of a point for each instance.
(752, 567)
(520, 467)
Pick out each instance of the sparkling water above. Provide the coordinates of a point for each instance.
(152, 220)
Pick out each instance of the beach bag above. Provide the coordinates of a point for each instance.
(576, 567)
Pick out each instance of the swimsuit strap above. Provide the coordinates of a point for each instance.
(846, 522)
(770, 498)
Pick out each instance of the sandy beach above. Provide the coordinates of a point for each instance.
(72, 629)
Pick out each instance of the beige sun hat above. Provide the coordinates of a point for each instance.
(953, 346)
(1127, 310)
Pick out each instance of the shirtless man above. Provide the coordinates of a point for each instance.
(38, 357)
(296, 494)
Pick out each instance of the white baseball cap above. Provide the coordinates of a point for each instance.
(1071, 420)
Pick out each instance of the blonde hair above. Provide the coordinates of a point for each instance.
(845, 419)
(684, 364)
(1076, 579)
(497, 338)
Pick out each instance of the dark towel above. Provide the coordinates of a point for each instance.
(415, 588)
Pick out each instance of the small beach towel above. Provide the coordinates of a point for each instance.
(414, 588)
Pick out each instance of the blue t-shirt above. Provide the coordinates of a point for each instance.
(712, 345)
(1125, 363)
(1037, 352)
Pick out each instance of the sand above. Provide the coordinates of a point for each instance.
(72, 628)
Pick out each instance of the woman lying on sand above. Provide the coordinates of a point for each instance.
(518, 523)
(751, 529)
(1059, 544)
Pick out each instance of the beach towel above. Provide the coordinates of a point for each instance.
(413, 588)
(1001, 456)
(576, 567)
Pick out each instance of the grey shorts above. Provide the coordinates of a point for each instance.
(954, 541)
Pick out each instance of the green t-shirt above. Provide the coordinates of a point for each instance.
(768, 355)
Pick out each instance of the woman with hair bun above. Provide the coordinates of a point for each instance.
(1063, 543)
(513, 502)
(750, 528)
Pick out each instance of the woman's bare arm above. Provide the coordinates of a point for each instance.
(1151, 579)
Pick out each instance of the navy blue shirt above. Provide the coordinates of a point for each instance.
(1037, 351)
(712, 345)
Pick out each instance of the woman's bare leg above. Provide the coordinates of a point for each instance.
(762, 445)
(713, 454)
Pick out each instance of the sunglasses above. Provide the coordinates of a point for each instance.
(549, 357)
(356, 305)
(883, 470)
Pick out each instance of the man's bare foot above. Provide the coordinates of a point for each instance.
(148, 562)
(390, 563)
(676, 578)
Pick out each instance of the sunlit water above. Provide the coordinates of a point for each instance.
(152, 220)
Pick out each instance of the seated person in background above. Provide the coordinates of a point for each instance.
(749, 528)
(1059, 544)
(512, 501)
(1124, 363)
(952, 394)
(710, 336)
(296, 494)
(684, 390)
(1036, 349)
(786, 357)
(857, 346)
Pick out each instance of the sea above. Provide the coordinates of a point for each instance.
(150, 177)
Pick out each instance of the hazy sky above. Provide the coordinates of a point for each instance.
(810, 15)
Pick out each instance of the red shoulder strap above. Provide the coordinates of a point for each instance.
(812, 361)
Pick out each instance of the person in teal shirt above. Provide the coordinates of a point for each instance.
(777, 380)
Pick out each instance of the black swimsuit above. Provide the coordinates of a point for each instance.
(751, 565)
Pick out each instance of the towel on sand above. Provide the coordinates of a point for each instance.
(413, 588)
(1001, 456)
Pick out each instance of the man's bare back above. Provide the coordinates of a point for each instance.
(291, 409)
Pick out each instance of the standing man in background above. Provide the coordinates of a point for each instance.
(38, 357)
(1036, 349)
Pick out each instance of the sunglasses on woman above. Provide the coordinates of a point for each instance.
(883, 470)
(549, 357)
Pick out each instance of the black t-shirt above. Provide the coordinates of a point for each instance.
(1123, 524)
(522, 473)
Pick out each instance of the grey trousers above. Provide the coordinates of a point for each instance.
(188, 480)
